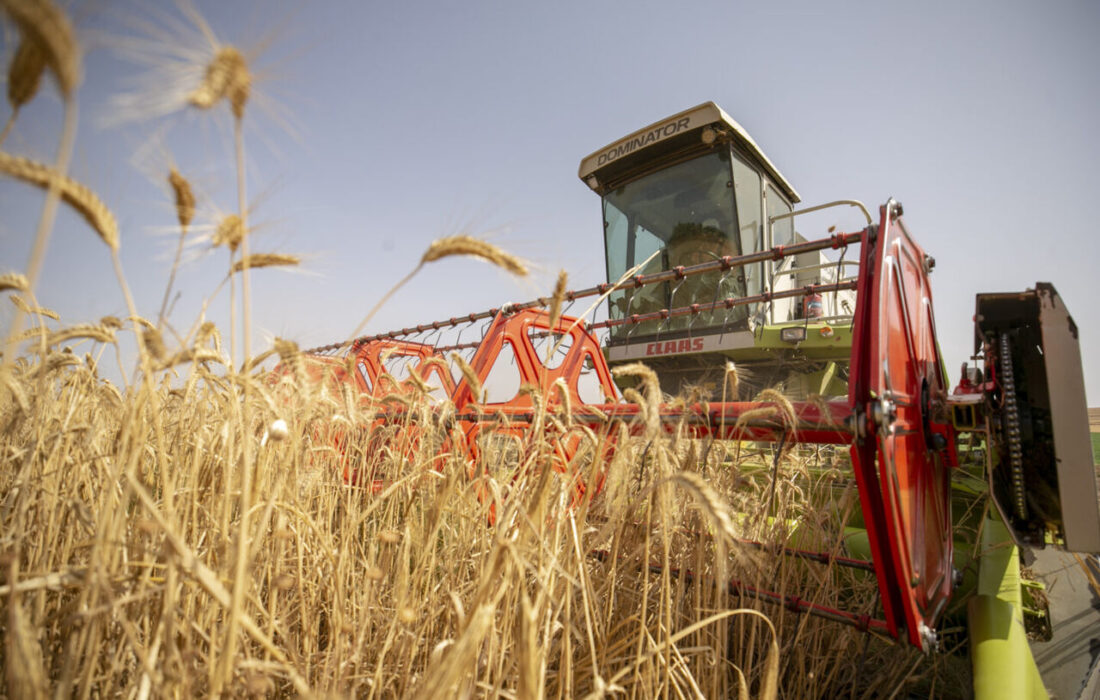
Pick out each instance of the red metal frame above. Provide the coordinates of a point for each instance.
(372, 355)
(904, 448)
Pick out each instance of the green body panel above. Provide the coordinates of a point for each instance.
(1004, 668)
(824, 341)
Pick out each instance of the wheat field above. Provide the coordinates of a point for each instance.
(192, 531)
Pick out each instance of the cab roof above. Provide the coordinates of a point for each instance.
(679, 127)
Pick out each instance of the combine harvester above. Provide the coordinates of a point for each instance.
(704, 267)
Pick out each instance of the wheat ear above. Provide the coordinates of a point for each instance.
(26, 308)
(185, 212)
(25, 73)
(80, 198)
(257, 260)
(226, 76)
(230, 232)
(13, 281)
(43, 24)
(470, 375)
(709, 501)
(473, 247)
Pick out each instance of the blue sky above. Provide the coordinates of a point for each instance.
(378, 127)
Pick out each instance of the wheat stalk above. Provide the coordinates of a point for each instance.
(80, 198)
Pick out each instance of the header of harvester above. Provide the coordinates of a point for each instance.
(691, 130)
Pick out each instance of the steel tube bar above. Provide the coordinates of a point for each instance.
(835, 241)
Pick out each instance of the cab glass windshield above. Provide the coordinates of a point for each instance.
(685, 214)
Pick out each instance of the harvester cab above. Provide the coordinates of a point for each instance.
(696, 189)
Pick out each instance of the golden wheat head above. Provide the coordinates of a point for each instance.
(76, 195)
(257, 260)
(25, 73)
(185, 198)
(226, 77)
(46, 26)
(26, 308)
(13, 281)
(557, 298)
(473, 247)
(230, 232)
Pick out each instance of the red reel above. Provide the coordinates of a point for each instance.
(904, 453)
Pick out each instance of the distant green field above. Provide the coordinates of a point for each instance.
(1096, 448)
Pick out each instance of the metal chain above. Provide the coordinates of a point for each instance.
(1012, 430)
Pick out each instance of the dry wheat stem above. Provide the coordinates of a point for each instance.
(238, 95)
(45, 223)
(8, 126)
